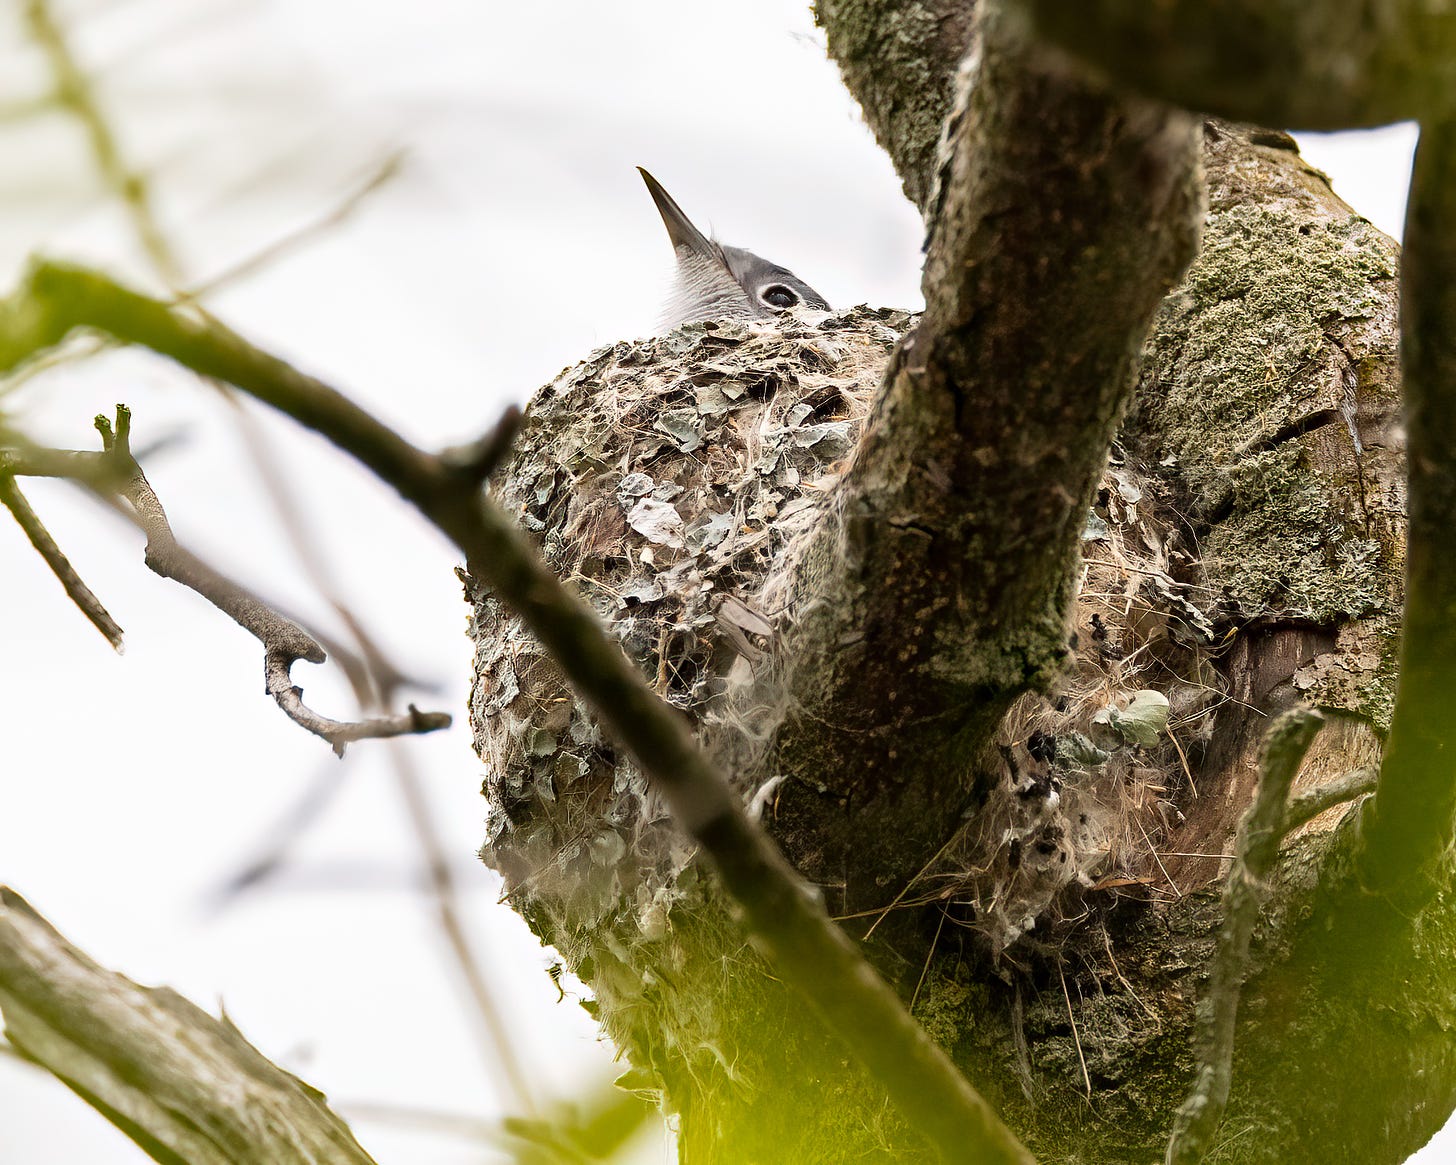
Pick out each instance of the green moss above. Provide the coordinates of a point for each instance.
(1285, 544)
(1241, 366)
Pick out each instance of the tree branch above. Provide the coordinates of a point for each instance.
(1408, 824)
(808, 950)
(899, 60)
(1064, 215)
(182, 1085)
(1341, 65)
(116, 472)
(45, 545)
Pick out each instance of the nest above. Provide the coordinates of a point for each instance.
(669, 480)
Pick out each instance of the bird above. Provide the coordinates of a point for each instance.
(714, 281)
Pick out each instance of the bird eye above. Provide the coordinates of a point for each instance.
(778, 296)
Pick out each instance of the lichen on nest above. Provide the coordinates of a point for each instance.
(669, 480)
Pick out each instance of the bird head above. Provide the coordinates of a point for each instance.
(714, 281)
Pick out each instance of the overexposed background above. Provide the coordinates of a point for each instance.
(515, 237)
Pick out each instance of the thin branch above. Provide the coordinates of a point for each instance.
(1255, 850)
(115, 472)
(495, 1036)
(284, 642)
(806, 948)
(1308, 806)
(1342, 64)
(183, 1085)
(45, 545)
(386, 172)
(277, 663)
(1407, 827)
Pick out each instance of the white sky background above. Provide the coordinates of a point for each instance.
(517, 238)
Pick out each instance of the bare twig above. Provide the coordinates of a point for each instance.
(45, 545)
(184, 1086)
(786, 918)
(284, 642)
(1255, 851)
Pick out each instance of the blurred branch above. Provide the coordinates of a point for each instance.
(1343, 64)
(374, 679)
(279, 836)
(82, 349)
(1256, 848)
(182, 1085)
(499, 1049)
(45, 545)
(387, 171)
(579, 1132)
(74, 91)
(1407, 827)
(784, 915)
(372, 675)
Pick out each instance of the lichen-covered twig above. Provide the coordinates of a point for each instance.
(183, 1085)
(1343, 64)
(807, 949)
(1255, 850)
(45, 545)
